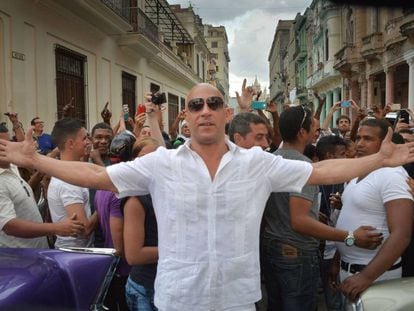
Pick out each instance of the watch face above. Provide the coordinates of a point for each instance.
(349, 241)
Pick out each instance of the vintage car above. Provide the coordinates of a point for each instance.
(50, 279)
(391, 295)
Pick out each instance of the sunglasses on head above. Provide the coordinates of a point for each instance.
(197, 104)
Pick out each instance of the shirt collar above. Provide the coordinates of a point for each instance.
(12, 168)
(186, 146)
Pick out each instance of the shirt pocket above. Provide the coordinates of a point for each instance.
(237, 196)
(184, 201)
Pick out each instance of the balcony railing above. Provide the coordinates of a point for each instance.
(120, 7)
(372, 45)
(142, 24)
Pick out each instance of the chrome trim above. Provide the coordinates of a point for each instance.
(90, 250)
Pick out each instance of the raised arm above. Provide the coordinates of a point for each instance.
(329, 116)
(244, 100)
(321, 103)
(174, 128)
(341, 170)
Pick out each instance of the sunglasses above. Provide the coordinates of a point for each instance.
(213, 103)
(304, 117)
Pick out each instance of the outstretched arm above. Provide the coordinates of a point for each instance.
(340, 170)
(82, 174)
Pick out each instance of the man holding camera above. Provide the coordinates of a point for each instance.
(209, 197)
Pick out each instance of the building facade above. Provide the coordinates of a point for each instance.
(349, 52)
(219, 59)
(90, 52)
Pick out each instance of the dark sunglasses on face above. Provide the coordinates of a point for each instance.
(213, 102)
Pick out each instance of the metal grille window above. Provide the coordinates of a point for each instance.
(128, 91)
(70, 81)
(172, 109)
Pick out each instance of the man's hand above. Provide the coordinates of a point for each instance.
(354, 105)
(181, 115)
(401, 125)
(335, 200)
(271, 107)
(361, 114)
(22, 154)
(140, 120)
(246, 97)
(333, 275)
(96, 158)
(70, 227)
(336, 106)
(106, 114)
(354, 285)
(68, 108)
(13, 118)
(395, 155)
(367, 237)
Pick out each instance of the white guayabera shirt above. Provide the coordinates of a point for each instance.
(208, 231)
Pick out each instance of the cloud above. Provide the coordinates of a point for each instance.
(250, 27)
(216, 11)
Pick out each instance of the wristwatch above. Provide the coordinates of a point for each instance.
(350, 239)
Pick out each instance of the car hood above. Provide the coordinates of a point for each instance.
(43, 279)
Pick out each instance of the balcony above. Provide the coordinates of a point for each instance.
(372, 46)
(144, 37)
(407, 24)
(110, 16)
(343, 58)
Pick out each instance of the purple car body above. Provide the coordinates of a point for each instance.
(48, 279)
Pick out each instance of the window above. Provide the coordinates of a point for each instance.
(128, 91)
(172, 109)
(214, 44)
(70, 81)
(217, 69)
(198, 65)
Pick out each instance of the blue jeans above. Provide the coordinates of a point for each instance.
(291, 276)
(333, 299)
(138, 297)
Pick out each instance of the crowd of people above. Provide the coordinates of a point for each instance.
(222, 208)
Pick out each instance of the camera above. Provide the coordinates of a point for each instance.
(404, 116)
(158, 98)
(7, 114)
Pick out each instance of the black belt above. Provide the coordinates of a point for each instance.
(354, 268)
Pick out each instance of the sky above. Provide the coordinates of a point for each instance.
(250, 27)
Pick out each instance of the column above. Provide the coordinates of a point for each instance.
(363, 101)
(389, 85)
(328, 104)
(370, 91)
(411, 83)
(336, 98)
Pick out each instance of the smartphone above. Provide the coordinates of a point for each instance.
(141, 109)
(345, 104)
(258, 105)
(404, 116)
(125, 109)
